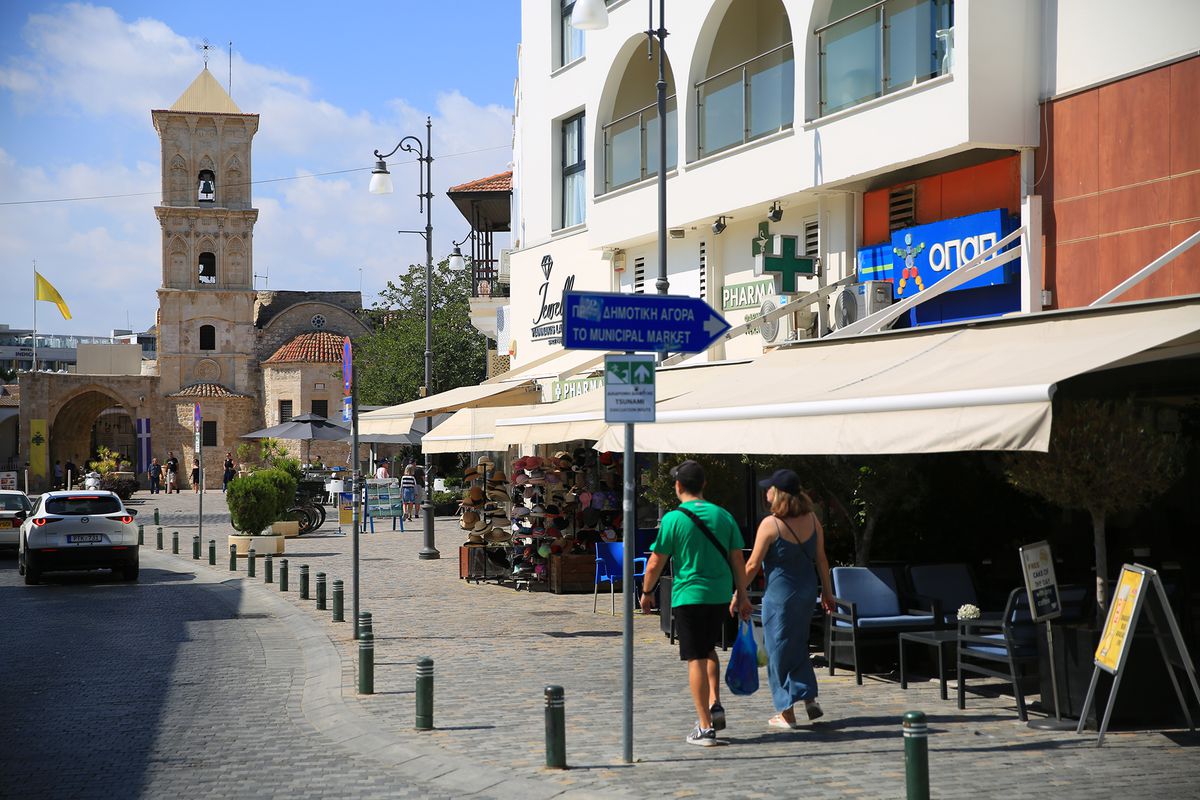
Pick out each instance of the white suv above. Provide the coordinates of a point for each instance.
(12, 504)
(78, 530)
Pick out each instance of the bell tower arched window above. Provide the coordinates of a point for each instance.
(208, 337)
(207, 191)
(208, 268)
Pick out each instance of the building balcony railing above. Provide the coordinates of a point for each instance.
(884, 47)
(746, 101)
(486, 280)
(631, 145)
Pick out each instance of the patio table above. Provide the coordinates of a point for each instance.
(939, 639)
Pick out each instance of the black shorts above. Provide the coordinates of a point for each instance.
(698, 628)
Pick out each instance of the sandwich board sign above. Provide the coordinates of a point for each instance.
(1139, 589)
(1038, 566)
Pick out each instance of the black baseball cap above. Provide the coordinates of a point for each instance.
(783, 479)
(688, 472)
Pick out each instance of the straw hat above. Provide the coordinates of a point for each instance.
(474, 539)
(497, 495)
(497, 536)
(469, 518)
(484, 461)
(483, 526)
(470, 472)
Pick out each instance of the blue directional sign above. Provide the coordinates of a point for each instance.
(640, 322)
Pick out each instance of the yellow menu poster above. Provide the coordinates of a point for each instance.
(1120, 616)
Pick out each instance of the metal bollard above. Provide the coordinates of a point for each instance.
(321, 591)
(251, 558)
(175, 542)
(269, 571)
(304, 581)
(424, 693)
(556, 729)
(364, 623)
(160, 539)
(212, 552)
(366, 664)
(157, 521)
(141, 534)
(339, 604)
(283, 574)
(233, 558)
(916, 755)
(195, 547)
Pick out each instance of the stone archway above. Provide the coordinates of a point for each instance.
(91, 418)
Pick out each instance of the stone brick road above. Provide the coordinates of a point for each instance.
(495, 650)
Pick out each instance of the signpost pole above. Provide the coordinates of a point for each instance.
(350, 386)
(630, 540)
(200, 476)
(1045, 605)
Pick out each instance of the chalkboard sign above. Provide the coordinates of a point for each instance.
(1037, 563)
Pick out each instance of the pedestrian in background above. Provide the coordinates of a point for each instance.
(172, 465)
(408, 492)
(58, 474)
(381, 472)
(154, 473)
(705, 545)
(791, 544)
(196, 476)
(228, 473)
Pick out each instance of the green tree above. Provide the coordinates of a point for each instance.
(1104, 459)
(390, 361)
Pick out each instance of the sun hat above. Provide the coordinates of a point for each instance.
(469, 518)
(470, 472)
(519, 512)
(484, 461)
(538, 510)
(474, 538)
(483, 526)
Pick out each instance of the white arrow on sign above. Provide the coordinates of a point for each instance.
(714, 325)
(642, 374)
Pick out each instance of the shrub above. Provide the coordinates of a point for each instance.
(253, 502)
(445, 498)
(284, 486)
(121, 487)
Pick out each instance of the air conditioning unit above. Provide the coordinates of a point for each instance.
(859, 300)
(505, 276)
(780, 329)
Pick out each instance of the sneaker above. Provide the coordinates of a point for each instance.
(718, 716)
(813, 709)
(705, 737)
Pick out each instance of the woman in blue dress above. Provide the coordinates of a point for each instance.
(790, 545)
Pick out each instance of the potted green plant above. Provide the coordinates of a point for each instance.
(256, 502)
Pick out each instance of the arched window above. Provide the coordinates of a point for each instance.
(208, 268)
(208, 337)
(207, 191)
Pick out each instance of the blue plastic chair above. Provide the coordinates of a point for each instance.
(610, 566)
(943, 588)
(1003, 649)
(867, 609)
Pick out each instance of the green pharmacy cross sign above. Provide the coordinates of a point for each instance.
(778, 255)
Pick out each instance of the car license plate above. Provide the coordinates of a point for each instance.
(6, 523)
(84, 537)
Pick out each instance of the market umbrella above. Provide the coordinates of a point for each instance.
(304, 428)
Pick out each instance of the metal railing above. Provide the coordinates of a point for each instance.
(746, 101)
(631, 145)
(485, 280)
(886, 46)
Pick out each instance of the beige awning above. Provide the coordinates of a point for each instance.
(516, 387)
(471, 430)
(985, 385)
(582, 417)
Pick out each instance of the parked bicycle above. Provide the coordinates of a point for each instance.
(308, 511)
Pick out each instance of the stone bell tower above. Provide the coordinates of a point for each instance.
(206, 333)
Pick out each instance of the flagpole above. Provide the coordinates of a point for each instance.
(35, 315)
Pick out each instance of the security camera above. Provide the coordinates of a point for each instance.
(776, 212)
(718, 226)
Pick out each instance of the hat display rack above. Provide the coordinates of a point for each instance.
(485, 515)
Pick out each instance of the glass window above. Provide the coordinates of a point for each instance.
(13, 502)
(83, 505)
(570, 40)
(321, 408)
(285, 411)
(208, 433)
(208, 337)
(574, 191)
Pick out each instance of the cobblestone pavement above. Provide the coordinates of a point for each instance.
(495, 649)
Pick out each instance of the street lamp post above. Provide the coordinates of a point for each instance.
(590, 15)
(381, 183)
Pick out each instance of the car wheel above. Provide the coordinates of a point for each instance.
(130, 572)
(32, 576)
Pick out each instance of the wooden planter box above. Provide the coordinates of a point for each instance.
(572, 574)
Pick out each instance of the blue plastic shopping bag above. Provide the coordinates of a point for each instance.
(741, 674)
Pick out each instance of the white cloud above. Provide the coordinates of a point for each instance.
(87, 64)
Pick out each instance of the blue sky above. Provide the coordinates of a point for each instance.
(331, 81)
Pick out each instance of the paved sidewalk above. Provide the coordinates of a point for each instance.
(495, 649)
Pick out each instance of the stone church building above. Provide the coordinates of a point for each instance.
(248, 358)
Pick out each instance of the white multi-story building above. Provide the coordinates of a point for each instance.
(897, 138)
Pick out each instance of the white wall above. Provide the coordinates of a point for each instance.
(1093, 41)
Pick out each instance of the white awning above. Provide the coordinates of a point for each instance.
(471, 430)
(516, 387)
(582, 417)
(985, 385)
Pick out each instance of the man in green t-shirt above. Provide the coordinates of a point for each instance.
(706, 546)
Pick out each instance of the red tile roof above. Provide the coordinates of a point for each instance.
(319, 347)
(500, 182)
(206, 390)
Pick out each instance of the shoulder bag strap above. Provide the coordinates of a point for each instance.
(708, 534)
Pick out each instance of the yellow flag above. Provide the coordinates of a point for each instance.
(42, 290)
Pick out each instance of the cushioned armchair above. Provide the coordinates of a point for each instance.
(1002, 648)
(867, 610)
(943, 589)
